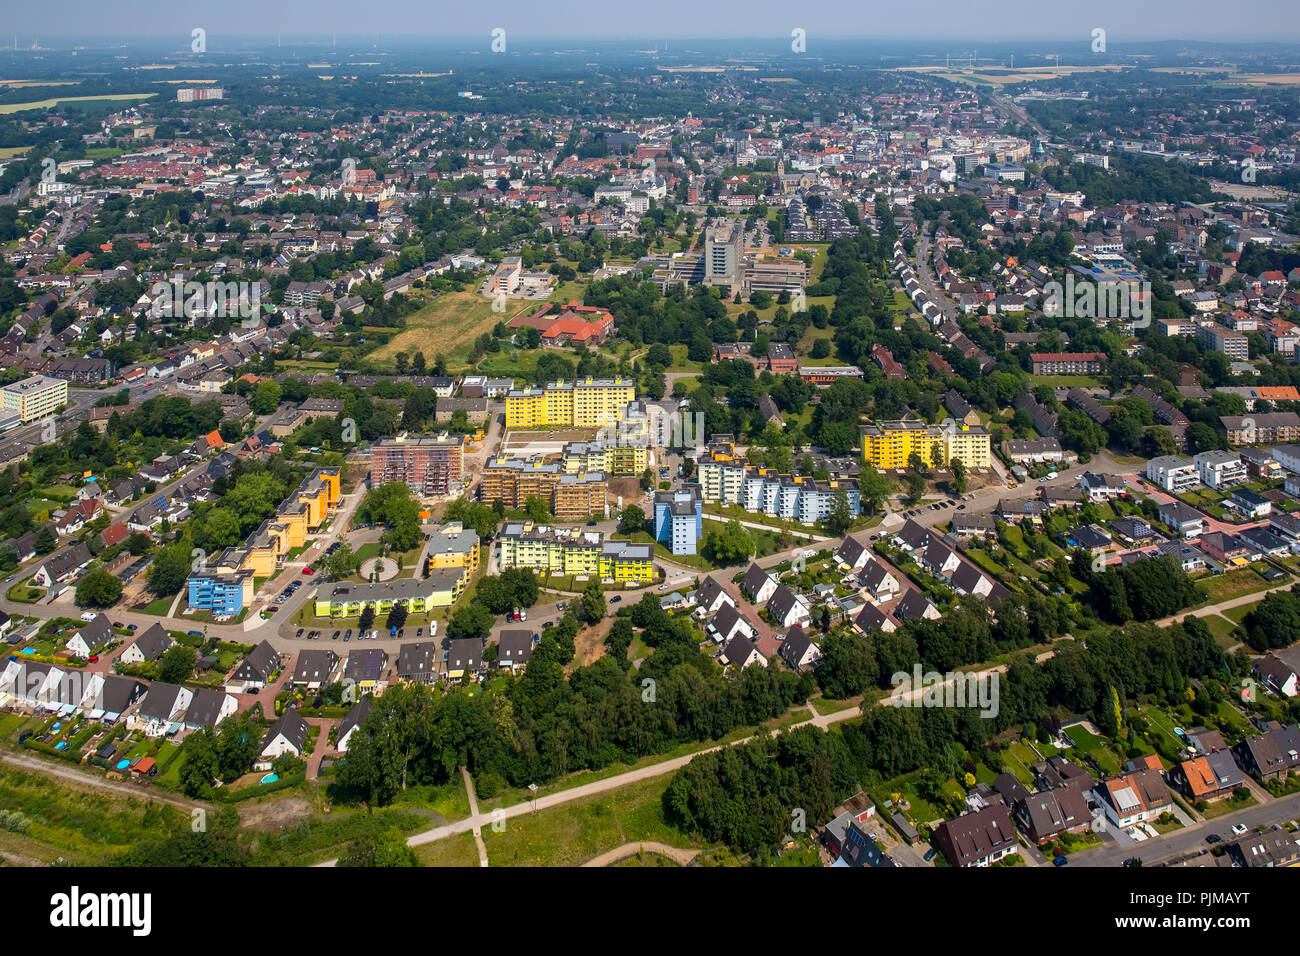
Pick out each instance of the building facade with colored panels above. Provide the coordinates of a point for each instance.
(349, 599)
(614, 458)
(34, 397)
(590, 403)
(580, 553)
(891, 444)
(264, 551)
(222, 594)
(763, 490)
(454, 547)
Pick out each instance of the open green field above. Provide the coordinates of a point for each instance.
(1231, 584)
(56, 100)
(1222, 629)
(448, 325)
(572, 833)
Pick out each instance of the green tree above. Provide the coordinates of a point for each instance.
(840, 517)
(265, 397)
(98, 589)
(176, 663)
(632, 519)
(199, 763)
(730, 545)
(593, 602)
(914, 488)
(472, 620)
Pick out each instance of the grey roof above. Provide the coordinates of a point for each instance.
(314, 666)
(356, 716)
(160, 701)
(365, 664)
(205, 707)
(154, 641)
(292, 726)
(515, 646)
(738, 650)
(783, 601)
(260, 663)
(119, 693)
(417, 660)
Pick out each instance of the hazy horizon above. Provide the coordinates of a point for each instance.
(833, 21)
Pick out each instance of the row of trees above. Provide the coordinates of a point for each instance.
(543, 724)
(747, 796)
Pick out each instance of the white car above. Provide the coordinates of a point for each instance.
(433, 628)
(89, 616)
(1238, 829)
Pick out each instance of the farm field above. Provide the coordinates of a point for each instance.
(57, 100)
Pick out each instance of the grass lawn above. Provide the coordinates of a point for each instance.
(1228, 805)
(160, 606)
(54, 101)
(573, 833)
(1161, 729)
(1223, 630)
(86, 827)
(25, 594)
(1238, 614)
(1019, 758)
(458, 850)
(1231, 584)
(1096, 748)
(448, 325)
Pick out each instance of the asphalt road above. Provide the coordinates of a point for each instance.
(1190, 839)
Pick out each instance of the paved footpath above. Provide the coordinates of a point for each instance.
(474, 815)
(476, 820)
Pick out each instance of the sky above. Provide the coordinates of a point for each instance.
(1006, 20)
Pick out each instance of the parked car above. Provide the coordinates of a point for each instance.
(1061, 861)
(308, 570)
(1213, 838)
(194, 633)
(117, 623)
(335, 637)
(299, 634)
(93, 659)
(419, 632)
(131, 627)
(615, 599)
(1239, 829)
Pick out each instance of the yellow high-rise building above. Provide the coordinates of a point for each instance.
(590, 403)
(892, 444)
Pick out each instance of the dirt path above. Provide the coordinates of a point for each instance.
(610, 857)
(473, 813)
(476, 820)
(590, 643)
(275, 814)
(80, 778)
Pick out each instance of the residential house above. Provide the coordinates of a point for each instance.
(799, 651)
(740, 652)
(788, 607)
(288, 735)
(148, 646)
(1133, 797)
(1271, 755)
(977, 839)
(314, 669)
(351, 721)
(91, 636)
